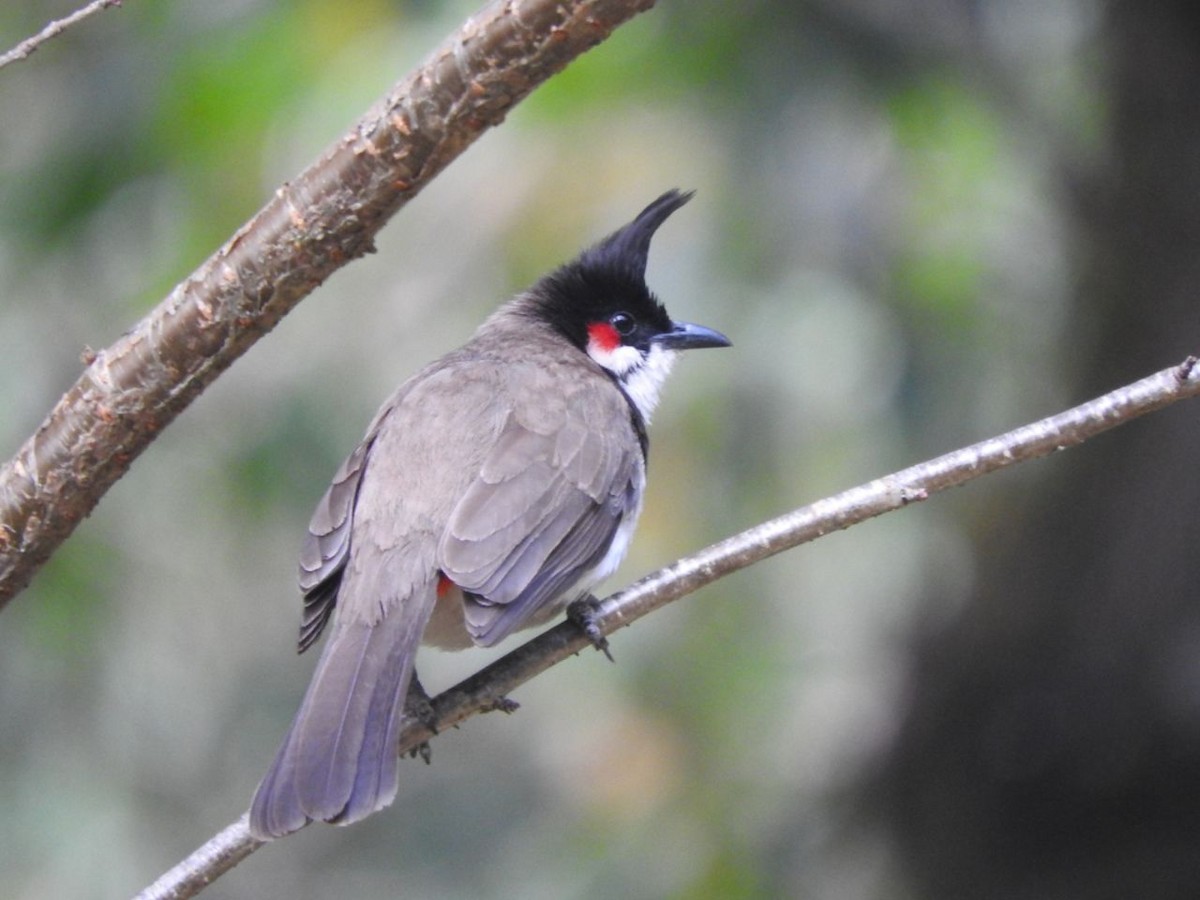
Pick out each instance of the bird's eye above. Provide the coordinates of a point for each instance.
(623, 323)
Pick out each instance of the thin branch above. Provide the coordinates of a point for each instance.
(487, 689)
(326, 217)
(26, 48)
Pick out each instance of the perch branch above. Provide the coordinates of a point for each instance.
(489, 687)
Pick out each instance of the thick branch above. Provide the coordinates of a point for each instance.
(311, 227)
(53, 29)
(487, 689)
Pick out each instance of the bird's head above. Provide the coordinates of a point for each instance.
(601, 304)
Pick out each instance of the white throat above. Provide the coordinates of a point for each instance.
(641, 376)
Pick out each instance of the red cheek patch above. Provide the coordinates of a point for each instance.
(603, 337)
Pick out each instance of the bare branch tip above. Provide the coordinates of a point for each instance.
(26, 48)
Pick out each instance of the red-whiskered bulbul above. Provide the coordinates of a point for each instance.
(495, 486)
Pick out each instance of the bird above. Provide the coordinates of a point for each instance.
(496, 486)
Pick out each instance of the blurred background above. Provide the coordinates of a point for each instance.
(922, 222)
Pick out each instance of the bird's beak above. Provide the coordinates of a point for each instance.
(686, 336)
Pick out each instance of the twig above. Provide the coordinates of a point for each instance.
(206, 864)
(26, 48)
(483, 690)
(313, 226)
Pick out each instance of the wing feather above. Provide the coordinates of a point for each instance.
(326, 547)
(540, 517)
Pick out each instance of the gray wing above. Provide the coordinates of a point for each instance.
(541, 515)
(327, 545)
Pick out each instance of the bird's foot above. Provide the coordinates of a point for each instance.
(583, 612)
(502, 704)
(418, 707)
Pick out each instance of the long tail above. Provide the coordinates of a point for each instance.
(338, 762)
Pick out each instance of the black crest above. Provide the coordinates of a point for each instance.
(627, 250)
(608, 277)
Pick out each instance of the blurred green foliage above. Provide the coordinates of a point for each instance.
(952, 143)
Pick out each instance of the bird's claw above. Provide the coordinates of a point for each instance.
(583, 612)
(418, 706)
(502, 704)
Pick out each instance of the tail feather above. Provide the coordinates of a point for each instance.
(338, 762)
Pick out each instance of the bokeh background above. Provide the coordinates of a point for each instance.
(922, 222)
